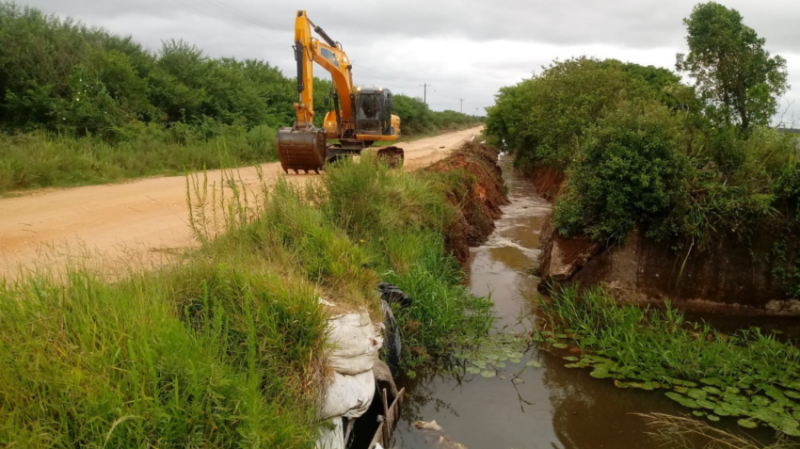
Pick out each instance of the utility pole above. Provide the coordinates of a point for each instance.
(425, 93)
(462, 105)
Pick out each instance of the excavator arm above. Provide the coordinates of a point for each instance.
(331, 57)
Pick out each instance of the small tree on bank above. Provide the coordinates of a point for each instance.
(734, 74)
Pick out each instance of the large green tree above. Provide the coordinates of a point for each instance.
(738, 79)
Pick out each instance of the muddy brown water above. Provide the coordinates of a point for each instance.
(555, 407)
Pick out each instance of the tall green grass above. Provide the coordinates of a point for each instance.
(42, 159)
(203, 355)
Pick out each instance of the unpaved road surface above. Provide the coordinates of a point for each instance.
(141, 220)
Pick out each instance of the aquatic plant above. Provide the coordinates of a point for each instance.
(748, 376)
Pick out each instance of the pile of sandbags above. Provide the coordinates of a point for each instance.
(355, 342)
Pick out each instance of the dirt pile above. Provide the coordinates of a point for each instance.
(477, 190)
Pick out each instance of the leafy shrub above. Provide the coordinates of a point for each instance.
(631, 171)
(543, 119)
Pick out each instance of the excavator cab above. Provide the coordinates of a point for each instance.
(374, 112)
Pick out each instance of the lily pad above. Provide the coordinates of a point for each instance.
(561, 336)
(721, 411)
(488, 374)
(699, 413)
(696, 393)
(571, 358)
(706, 404)
(491, 357)
(534, 364)
(473, 370)
(573, 365)
(747, 423)
(713, 418)
(682, 400)
(712, 390)
(500, 365)
(560, 345)
(515, 361)
(713, 381)
(760, 401)
(479, 363)
(732, 390)
(517, 381)
(600, 373)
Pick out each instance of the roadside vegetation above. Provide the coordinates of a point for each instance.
(225, 348)
(685, 164)
(79, 105)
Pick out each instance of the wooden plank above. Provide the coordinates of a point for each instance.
(384, 433)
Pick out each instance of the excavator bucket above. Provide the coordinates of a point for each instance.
(393, 156)
(301, 149)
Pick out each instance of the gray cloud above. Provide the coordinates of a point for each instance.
(466, 49)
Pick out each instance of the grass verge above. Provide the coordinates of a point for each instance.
(42, 159)
(226, 348)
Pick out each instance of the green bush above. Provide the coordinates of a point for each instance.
(630, 172)
(543, 119)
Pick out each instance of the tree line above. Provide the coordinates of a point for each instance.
(81, 105)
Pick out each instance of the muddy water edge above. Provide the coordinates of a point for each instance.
(546, 407)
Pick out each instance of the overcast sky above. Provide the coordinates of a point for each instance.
(465, 49)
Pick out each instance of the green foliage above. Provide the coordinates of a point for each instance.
(631, 170)
(543, 119)
(63, 76)
(416, 118)
(748, 375)
(735, 75)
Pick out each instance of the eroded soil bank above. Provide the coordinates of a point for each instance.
(733, 277)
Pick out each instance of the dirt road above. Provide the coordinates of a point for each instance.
(139, 220)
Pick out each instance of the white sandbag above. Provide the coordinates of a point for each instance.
(355, 342)
(348, 396)
(331, 435)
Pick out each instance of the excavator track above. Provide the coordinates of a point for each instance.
(301, 150)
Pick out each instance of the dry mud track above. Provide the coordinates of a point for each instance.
(142, 221)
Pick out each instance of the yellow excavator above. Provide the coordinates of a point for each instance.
(360, 116)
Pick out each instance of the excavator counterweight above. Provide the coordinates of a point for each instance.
(360, 117)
